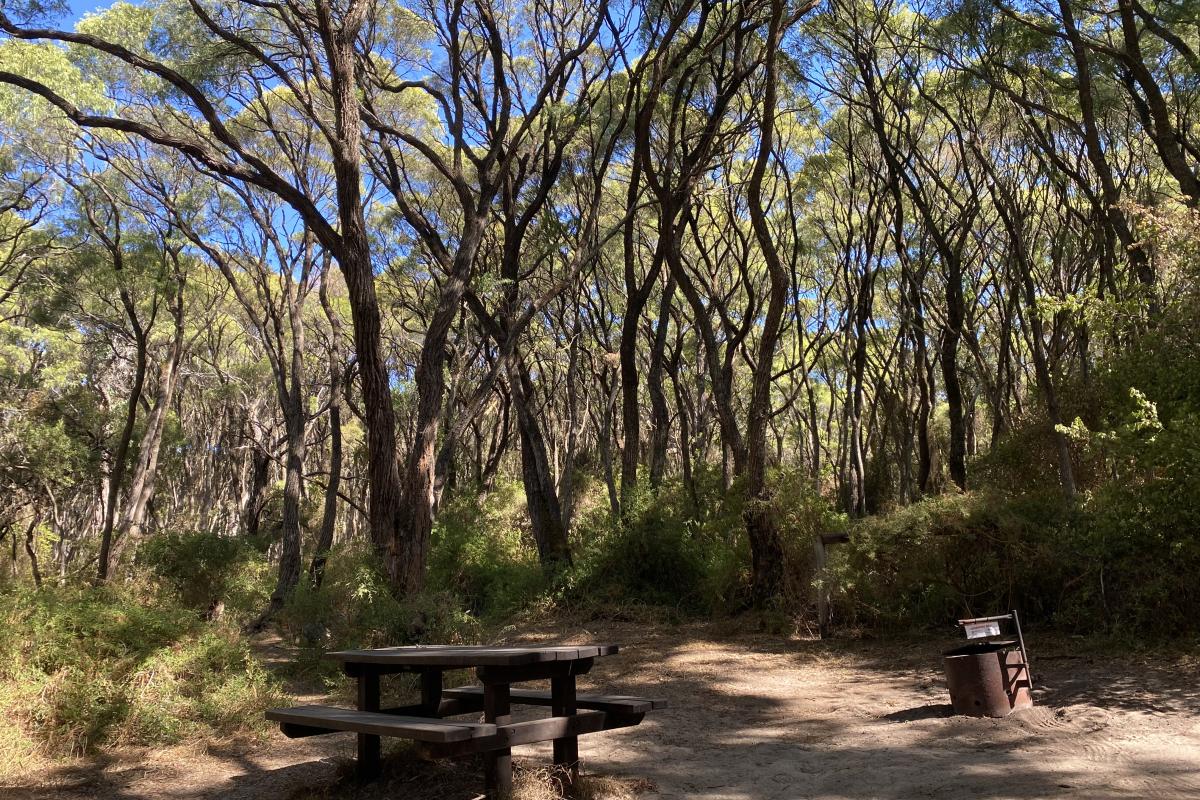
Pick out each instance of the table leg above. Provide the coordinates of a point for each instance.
(497, 765)
(431, 691)
(368, 745)
(566, 749)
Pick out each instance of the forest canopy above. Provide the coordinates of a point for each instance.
(628, 301)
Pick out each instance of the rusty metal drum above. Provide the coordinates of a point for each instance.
(987, 679)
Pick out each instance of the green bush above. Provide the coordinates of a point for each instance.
(481, 553)
(1141, 530)
(685, 554)
(85, 667)
(355, 608)
(657, 560)
(1024, 457)
(204, 569)
(1123, 559)
(803, 515)
(953, 555)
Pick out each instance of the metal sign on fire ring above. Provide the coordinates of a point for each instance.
(982, 630)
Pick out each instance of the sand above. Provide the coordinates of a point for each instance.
(757, 717)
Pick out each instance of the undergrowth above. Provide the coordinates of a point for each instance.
(89, 667)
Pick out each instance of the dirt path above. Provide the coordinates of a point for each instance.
(757, 718)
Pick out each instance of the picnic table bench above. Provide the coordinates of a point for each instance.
(497, 668)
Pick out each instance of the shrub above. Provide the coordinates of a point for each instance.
(355, 608)
(1141, 530)
(803, 516)
(657, 560)
(687, 554)
(481, 552)
(84, 667)
(206, 569)
(1122, 560)
(953, 555)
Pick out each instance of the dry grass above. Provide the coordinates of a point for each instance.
(18, 753)
(545, 783)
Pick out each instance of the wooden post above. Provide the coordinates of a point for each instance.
(819, 561)
(497, 764)
(368, 745)
(566, 749)
(821, 565)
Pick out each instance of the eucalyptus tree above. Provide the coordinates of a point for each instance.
(271, 263)
(142, 254)
(215, 63)
(700, 56)
(105, 209)
(554, 222)
(923, 150)
(38, 458)
(1152, 58)
(766, 544)
(271, 269)
(1028, 70)
(688, 115)
(707, 155)
(509, 89)
(338, 382)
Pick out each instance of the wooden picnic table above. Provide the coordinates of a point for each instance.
(497, 669)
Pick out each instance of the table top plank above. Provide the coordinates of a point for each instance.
(470, 655)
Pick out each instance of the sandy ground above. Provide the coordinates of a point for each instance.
(754, 717)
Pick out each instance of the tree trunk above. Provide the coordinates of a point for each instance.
(256, 495)
(956, 456)
(545, 512)
(31, 551)
(293, 481)
(637, 294)
(766, 545)
(660, 413)
(142, 485)
(605, 435)
(566, 484)
(406, 562)
(117, 474)
(393, 543)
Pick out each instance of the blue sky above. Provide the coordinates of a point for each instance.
(81, 7)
